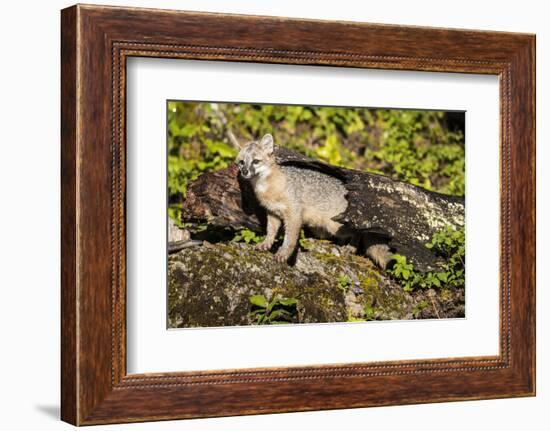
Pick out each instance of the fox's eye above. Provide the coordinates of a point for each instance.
(241, 162)
(255, 161)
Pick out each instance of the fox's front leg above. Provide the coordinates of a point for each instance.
(273, 225)
(293, 225)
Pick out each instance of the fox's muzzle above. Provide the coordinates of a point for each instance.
(246, 173)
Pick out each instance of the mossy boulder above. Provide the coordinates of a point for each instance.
(211, 285)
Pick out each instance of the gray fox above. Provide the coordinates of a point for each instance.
(290, 195)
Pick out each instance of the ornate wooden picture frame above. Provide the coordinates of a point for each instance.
(96, 42)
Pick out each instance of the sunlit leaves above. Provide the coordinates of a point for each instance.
(449, 244)
(413, 146)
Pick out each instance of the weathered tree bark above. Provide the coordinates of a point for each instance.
(380, 209)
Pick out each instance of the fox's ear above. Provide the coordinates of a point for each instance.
(267, 143)
(234, 140)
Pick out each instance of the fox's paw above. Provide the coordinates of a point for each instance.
(282, 256)
(262, 246)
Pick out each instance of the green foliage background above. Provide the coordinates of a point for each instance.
(425, 148)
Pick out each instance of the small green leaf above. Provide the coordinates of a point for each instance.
(443, 276)
(258, 300)
(288, 302)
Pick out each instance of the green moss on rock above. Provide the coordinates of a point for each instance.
(210, 285)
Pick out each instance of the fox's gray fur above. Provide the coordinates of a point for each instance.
(291, 196)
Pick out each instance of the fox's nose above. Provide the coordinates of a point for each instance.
(245, 172)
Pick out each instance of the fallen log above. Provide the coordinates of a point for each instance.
(380, 209)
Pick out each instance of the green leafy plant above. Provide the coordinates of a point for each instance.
(402, 269)
(414, 146)
(344, 282)
(248, 236)
(449, 243)
(368, 314)
(275, 312)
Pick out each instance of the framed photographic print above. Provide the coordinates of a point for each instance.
(253, 206)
